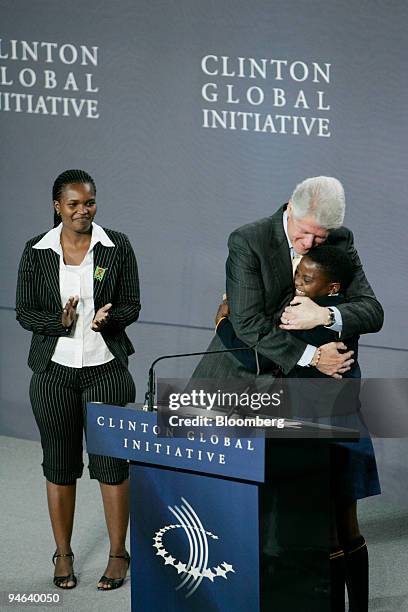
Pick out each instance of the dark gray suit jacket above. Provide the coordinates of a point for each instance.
(38, 301)
(260, 284)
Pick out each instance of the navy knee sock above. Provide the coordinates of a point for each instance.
(337, 579)
(356, 561)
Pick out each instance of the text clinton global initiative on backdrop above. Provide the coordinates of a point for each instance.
(243, 93)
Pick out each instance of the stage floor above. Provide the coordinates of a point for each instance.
(27, 543)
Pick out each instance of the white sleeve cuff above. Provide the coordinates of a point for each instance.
(338, 321)
(307, 356)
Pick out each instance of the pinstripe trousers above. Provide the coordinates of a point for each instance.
(58, 397)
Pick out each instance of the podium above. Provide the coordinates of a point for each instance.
(210, 528)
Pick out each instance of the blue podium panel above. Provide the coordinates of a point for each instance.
(194, 542)
(134, 435)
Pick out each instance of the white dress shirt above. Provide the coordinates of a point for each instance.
(83, 347)
(337, 326)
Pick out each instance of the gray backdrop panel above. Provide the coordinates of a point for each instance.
(178, 189)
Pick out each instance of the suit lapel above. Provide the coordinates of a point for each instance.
(103, 262)
(50, 266)
(279, 248)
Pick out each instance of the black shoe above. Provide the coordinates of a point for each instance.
(113, 583)
(59, 580)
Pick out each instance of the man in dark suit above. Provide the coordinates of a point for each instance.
(259, 282)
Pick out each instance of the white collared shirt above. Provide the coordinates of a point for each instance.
(337, 326)
(83, 347)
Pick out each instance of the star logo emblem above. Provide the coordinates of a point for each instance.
(193, 572)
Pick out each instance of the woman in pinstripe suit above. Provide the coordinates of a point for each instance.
(77, 291)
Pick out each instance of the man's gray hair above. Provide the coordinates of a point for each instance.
(322, 197)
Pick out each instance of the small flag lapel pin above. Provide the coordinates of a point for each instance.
(99, 273)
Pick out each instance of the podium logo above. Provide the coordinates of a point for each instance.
(195, 569)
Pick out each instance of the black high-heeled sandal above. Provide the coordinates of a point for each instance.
(59, 580)
(114, 583)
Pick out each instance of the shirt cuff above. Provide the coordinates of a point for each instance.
(307, 356)
(338, 321)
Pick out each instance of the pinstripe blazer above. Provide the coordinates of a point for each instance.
(38, 300)
(259, 285)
